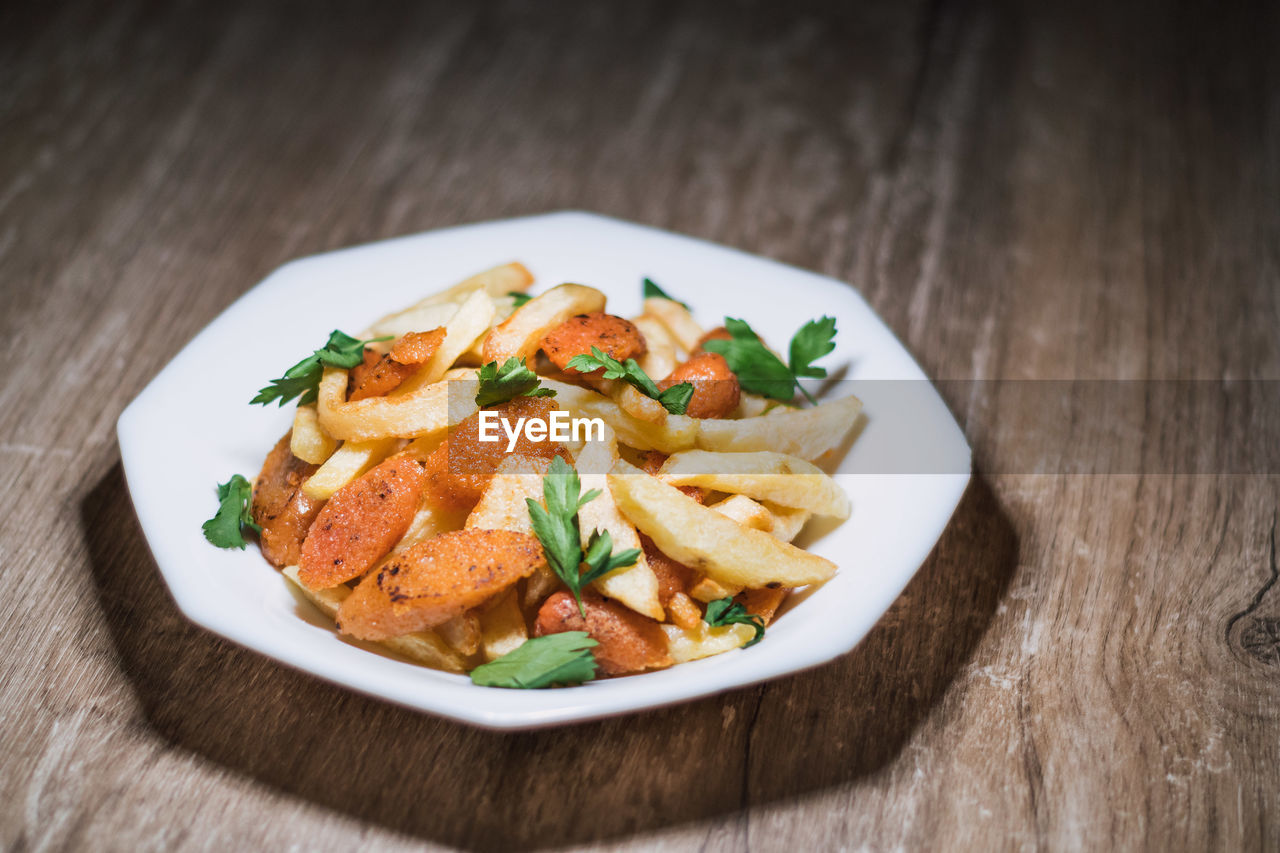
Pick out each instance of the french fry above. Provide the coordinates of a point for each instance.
(752, 405)
(520, 334)
(660, 358)
(424, 647)
(677, 432)
(639, 406)
(349, 461)
(705, 540)
(309, 442)
(437, 309)
(707, 590)
(806, 433)
(677, 319)
(745, 511)
(683, 611)
(686, 644)
(764, 475)
(419, 406)
(634, 586)
(502, 626)
(461, 633)
(502, 506)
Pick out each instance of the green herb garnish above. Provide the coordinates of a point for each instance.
(563, 658)
(518, 298)
(762, 372)
(303, 379)
(652, 290)
(557, 529)
(723, 611)
(675, 399)
(513, 379)
(226, 528)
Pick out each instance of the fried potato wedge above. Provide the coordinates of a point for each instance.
(703, 641)
(677, 320)
(438, 308)
(519, 335)
(635, 586)
(806, 433)
(424, 647)
(745, 511)
(502, 626)
(705, 540)
(348, 462)
(309, 442)
(660, 359)
(502, 506)
(420, 405)
(436, 580)
(675, 433)
(764, 475)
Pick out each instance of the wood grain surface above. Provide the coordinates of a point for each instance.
(1049, 191)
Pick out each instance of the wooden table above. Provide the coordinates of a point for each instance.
(1050, 191)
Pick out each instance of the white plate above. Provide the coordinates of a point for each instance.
(192, 427)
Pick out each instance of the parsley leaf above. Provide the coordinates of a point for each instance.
(563, 658)
(303, 379)
(518, 297)
(226, 528)
(557, 529)
(651, 290)
(675, 399)
(723, 611)
(762, 372)
(513, 379)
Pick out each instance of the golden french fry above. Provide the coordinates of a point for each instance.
(502, 626)
(677, 320)
(764, 475)
(639, 406)
(635, 586)
(349, 461)
(686, 644)
(309, 442)
(705, 540)
(745, 511)
(787, 522)
(660, 358)
(519, 335)
(424, 647)
(752, 405)
(676, 432)
(502, 506)
(461, 633)
(806, 433)
(437, 309)
(420, 405)
(707, 590)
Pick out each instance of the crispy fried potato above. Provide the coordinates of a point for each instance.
(439, 308)
(424, 647)
(806, 433)
(660, 359)
(635, 586)
(309, 441)
(705, 540)
(745, 511)
(764, 475)
(639, 406)
(462, 633)
(420, 405)
(707, 590)
(521, 334)
(702, 641)
(436, 580)
(502, 626)
(502, 506)
(349, 461)
(677, 432)
(677, 320)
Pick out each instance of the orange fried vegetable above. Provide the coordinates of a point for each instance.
(459, 470)
(378, 376)
(762, 602)
(436, 580)
(279, 506)
(614, 336)
(628, 641)
(715, 387)
(362, 522)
